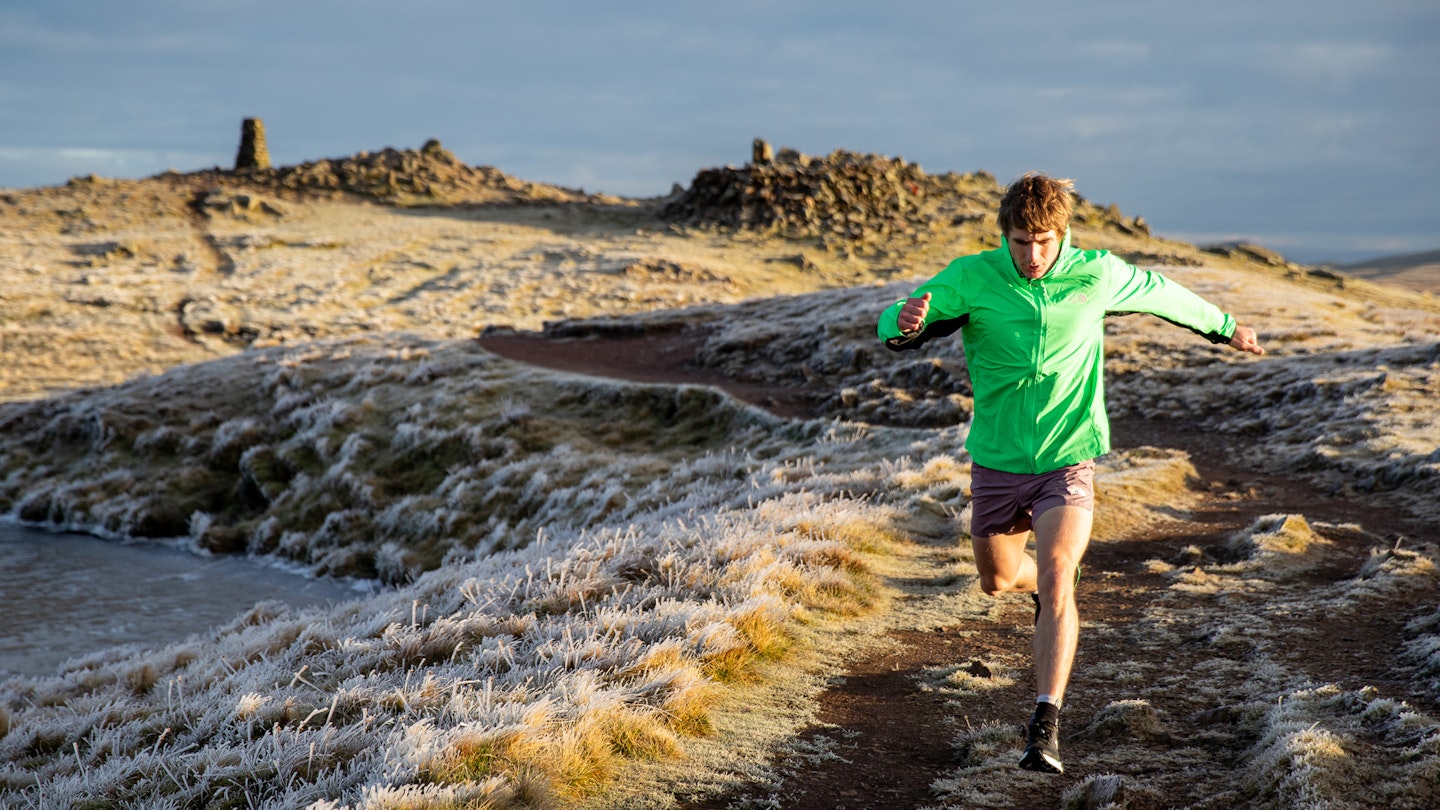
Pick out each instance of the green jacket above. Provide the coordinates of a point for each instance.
(1035, 349)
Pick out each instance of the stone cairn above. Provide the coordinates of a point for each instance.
(844, 198)
(431, 173)
(253, 154)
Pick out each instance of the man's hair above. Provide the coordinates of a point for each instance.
(1035, 203)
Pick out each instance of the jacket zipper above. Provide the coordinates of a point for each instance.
(1036, 289)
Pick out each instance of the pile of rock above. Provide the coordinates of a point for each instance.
(1108, 218)
(844, 197)
(432, 173)
(1245, 251)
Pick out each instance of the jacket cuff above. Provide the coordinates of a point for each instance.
(903, 341)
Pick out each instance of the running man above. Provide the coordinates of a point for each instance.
(1031, 314)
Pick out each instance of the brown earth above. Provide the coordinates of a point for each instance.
(893, 739)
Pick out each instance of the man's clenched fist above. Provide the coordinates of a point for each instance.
(912, 315)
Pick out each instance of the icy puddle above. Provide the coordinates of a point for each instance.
(65, 595)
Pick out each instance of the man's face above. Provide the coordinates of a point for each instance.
(1033, 253)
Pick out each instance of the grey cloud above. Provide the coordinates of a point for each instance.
(1216, 118)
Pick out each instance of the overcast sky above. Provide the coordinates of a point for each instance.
(1310, 126)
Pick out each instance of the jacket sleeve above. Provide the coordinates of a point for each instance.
(948, 312)
(1136, 290)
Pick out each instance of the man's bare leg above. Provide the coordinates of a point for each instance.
(1003, 564)
(1061, 535)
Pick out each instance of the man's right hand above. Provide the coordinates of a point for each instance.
(912, 315)
(1245, 340)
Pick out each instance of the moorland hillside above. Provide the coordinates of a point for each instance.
(646, 494)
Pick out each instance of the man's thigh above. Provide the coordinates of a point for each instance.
(999, 551)
(1062, 533)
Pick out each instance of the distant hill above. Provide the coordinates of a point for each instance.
(1414, 271)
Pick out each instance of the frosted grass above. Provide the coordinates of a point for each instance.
(597, 612)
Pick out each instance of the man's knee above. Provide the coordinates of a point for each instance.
(994, 584)
(1057, 581)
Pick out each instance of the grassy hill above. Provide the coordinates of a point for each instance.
(1415, 271)
(642, 575)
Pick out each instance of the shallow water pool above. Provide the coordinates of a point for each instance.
(66, 595)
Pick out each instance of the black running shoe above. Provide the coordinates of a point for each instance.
(1042, 747)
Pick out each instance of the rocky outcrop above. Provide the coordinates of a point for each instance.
(849, 200)
(425, 176)
(429, 173)
(844, 196)
(1245, 251)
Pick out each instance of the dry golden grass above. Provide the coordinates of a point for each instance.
(492, 794)
(757, 636)
(561, 759)
(1135, 489)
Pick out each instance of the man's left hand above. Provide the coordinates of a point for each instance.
(1245, 340)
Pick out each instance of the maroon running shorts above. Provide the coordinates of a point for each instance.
(1005, 503)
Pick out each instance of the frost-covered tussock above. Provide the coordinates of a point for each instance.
(372, 459)
(1279, 553)
(1423, 649)
(1356, 421)
(1315, 744)
(517, 679)
(1276, 546)
(1141, 487)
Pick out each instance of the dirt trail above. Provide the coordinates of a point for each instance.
(890, 739)
(649, 358)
